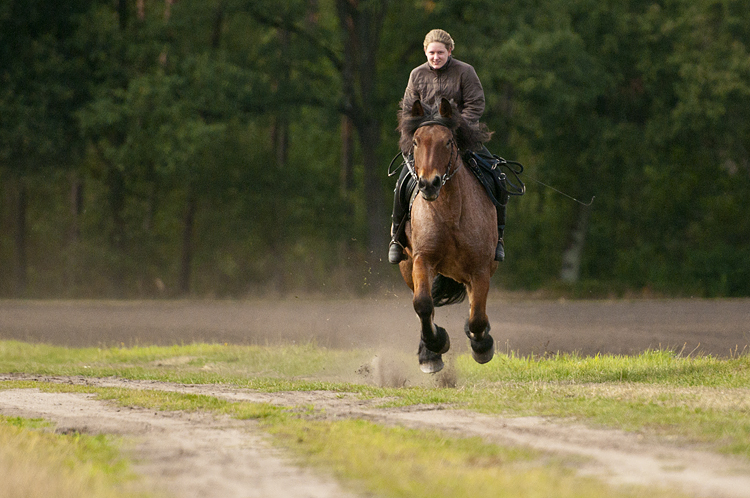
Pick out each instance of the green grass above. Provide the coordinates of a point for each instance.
(37, 462)
(651, 367)
(308, 364)
(698, 399)
(194, 363)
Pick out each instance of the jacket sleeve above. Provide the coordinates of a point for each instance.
(473, 95)
(411, 94)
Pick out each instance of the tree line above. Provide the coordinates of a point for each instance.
(227, 147)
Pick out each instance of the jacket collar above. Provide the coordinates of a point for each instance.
(444, 66)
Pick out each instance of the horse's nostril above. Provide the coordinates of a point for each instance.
(430, 188)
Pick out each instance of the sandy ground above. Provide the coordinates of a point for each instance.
(192, 455)
(199, 455)
(714, 327)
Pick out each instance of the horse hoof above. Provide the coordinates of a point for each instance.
(429, 361)
(483, 350)
(442, 336)
(432, 366)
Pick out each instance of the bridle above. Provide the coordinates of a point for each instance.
(454, 159)
(409, 160)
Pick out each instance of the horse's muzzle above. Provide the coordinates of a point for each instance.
(430, 189)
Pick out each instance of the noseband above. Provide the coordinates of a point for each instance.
(453, 159)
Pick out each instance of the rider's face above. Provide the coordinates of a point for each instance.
(437, 54)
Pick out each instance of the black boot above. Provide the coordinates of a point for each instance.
(401, 196)
(395, 249)
(502, 196)
(500, 250)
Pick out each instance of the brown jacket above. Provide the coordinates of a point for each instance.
(456, 81)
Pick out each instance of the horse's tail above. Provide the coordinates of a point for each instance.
(447, 291)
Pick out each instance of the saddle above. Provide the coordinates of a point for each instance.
(491, 176)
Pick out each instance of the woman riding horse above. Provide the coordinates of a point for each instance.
(441, 76)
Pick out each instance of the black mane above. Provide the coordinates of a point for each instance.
(469, 136)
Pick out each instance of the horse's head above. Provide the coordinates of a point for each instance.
(436, 154)
(435, 136)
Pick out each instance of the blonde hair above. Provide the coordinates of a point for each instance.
(438, 35)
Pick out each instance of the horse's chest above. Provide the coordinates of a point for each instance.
(432, 226)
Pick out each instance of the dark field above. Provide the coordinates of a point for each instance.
(716, 327)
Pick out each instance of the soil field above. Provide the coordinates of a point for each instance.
(716, 327)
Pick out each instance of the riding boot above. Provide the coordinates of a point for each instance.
(500, 249)
(396, 247)
(400, 207)
(501, 194)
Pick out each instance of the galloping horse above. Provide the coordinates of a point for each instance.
(452, 232)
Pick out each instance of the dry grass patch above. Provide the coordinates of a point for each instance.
(713, 398)
(35, 462)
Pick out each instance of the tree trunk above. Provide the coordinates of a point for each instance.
(346, 245)
(116, 189)
(122, 13)
(74, 230)
(377, 228)
(188, 222)
(362, 25)
(20, 239)
(76, 207)
(191, 203)
(280, 141)
(571, 258)
(346, 183)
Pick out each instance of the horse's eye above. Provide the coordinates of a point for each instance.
(414, 143)
(448, 144)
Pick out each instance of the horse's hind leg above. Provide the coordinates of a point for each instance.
(478, 325)
(434, 340)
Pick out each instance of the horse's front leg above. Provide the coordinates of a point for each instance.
(478, 325)
(434, 340)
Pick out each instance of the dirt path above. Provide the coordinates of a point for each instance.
(198, 455)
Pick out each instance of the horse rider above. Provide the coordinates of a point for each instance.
(441, 76)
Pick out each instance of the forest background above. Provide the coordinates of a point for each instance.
(227, 148)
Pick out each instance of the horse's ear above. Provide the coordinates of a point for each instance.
(416, 109)
(445, 108)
